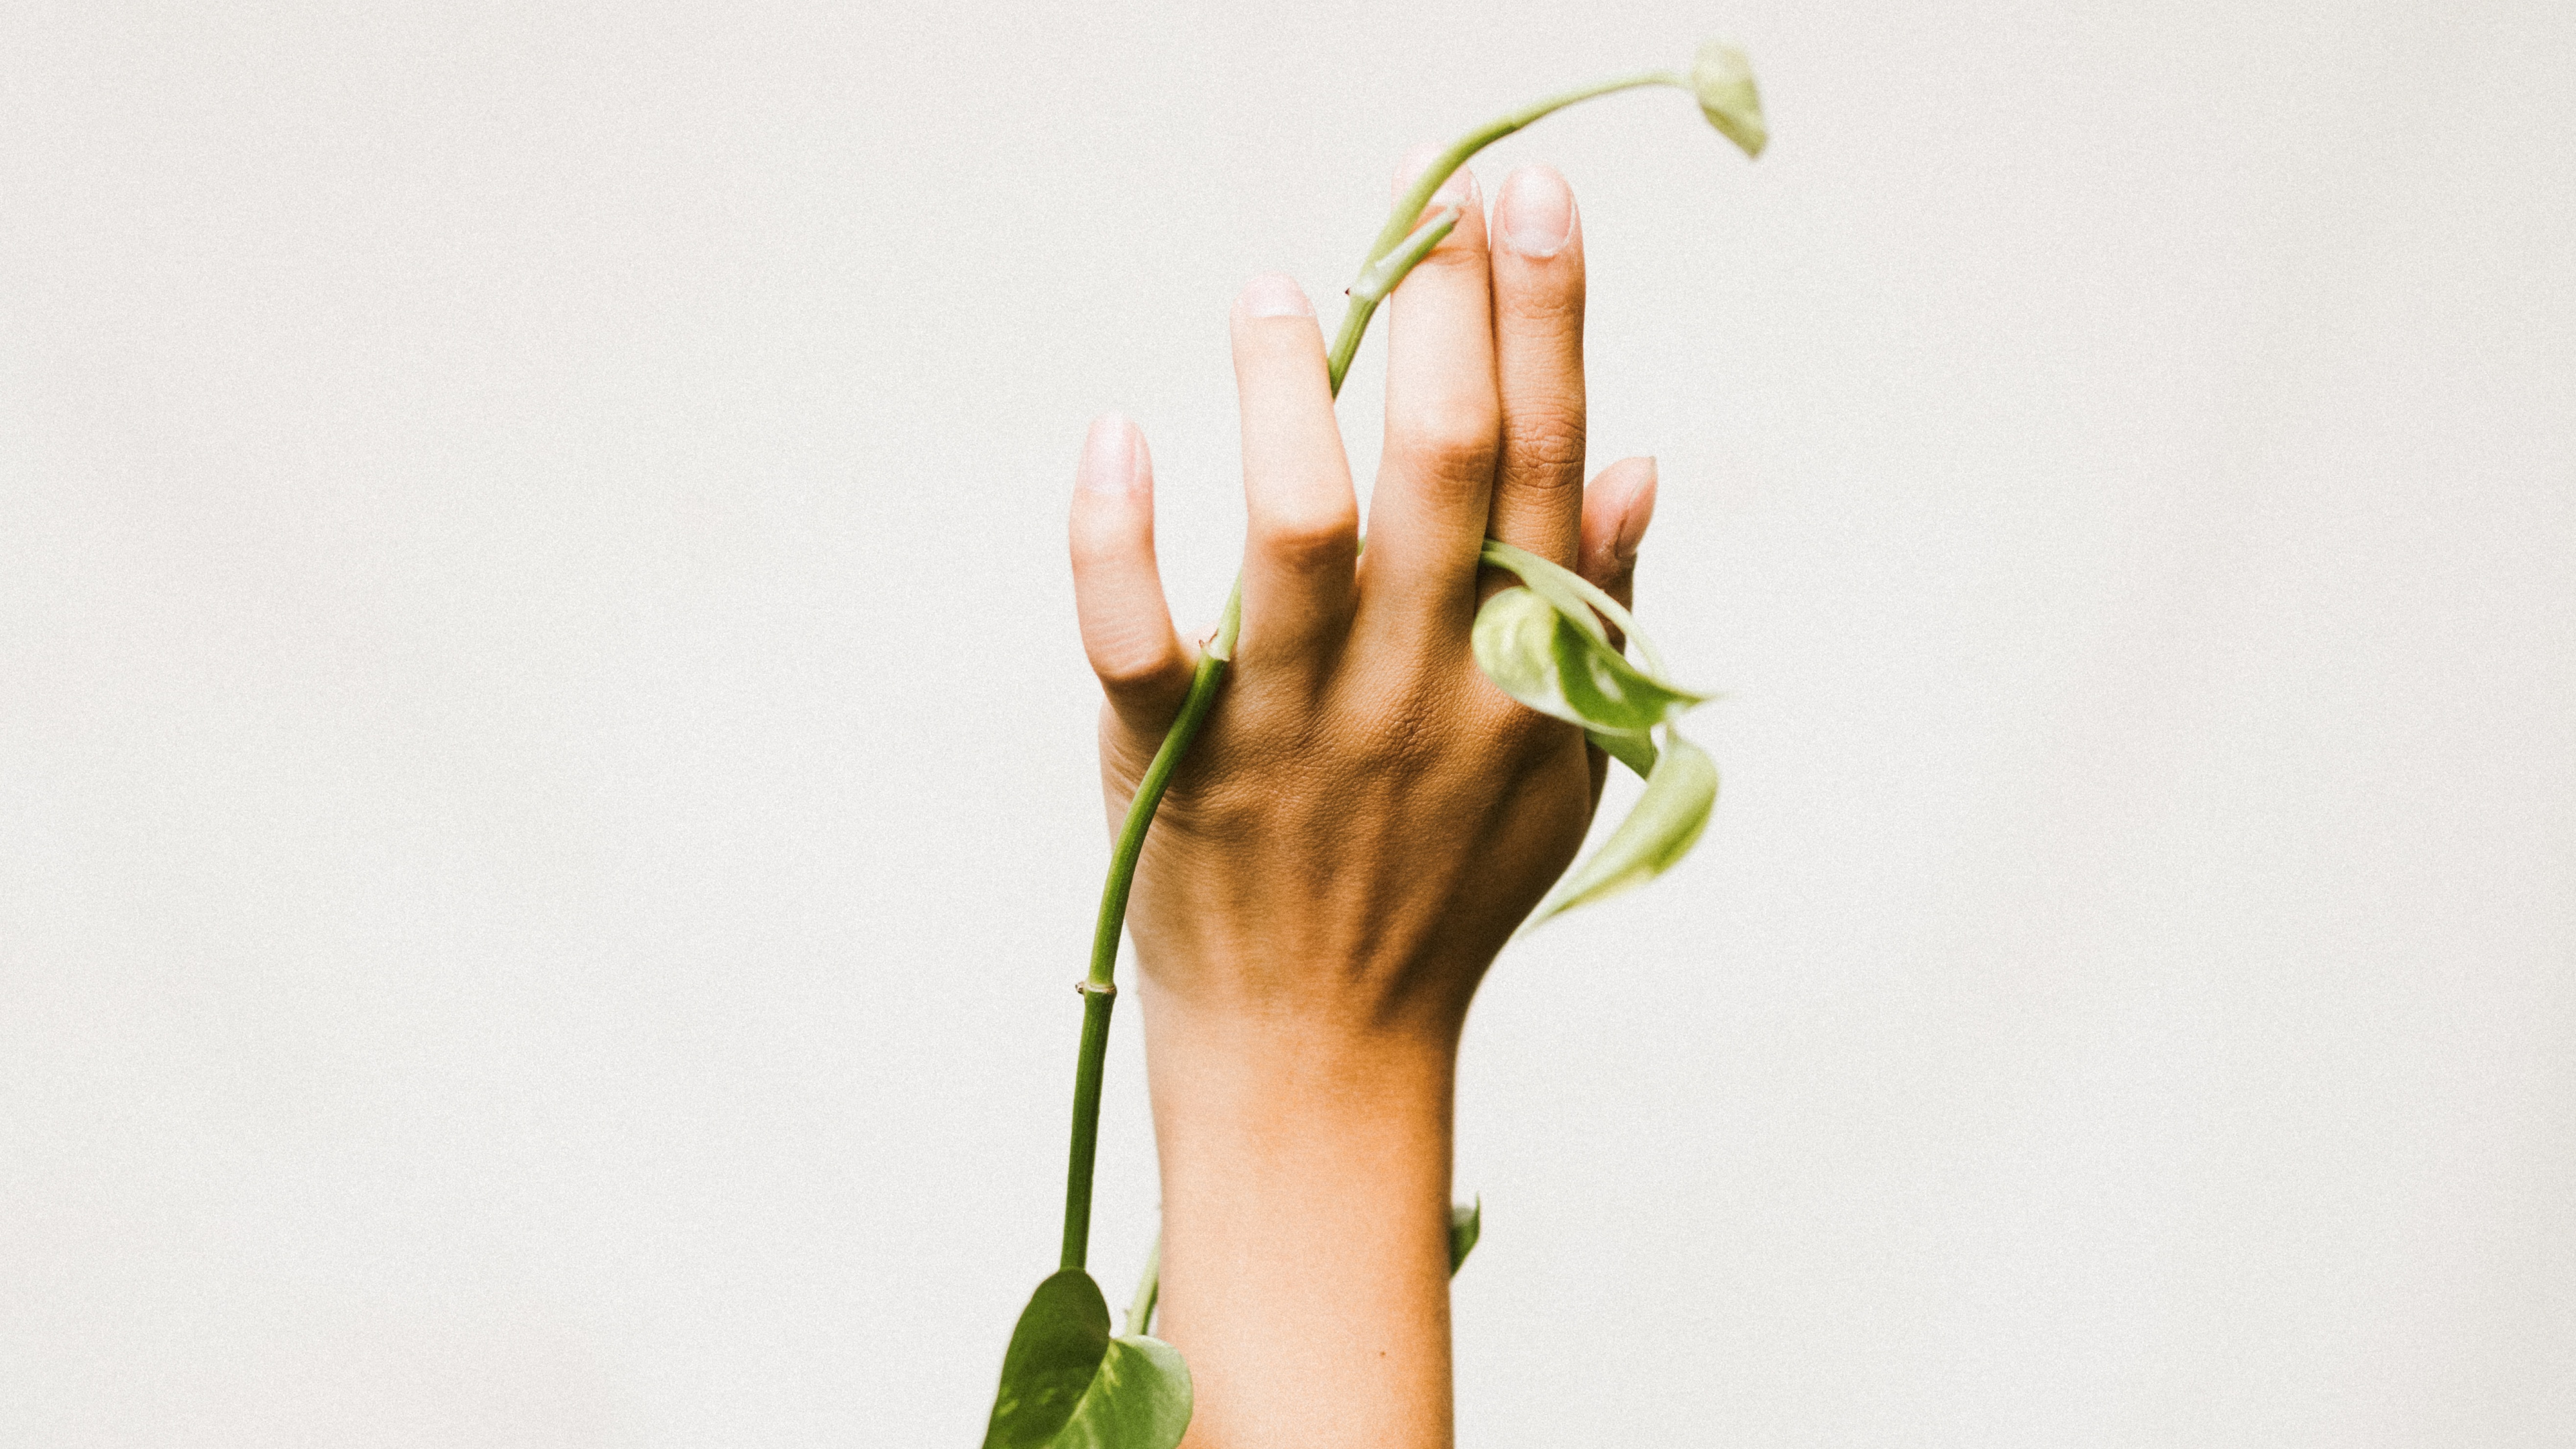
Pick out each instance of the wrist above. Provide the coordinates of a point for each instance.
(1330, 1039)
(1381, 1000)
(1291, 1086)
(1305, 1166)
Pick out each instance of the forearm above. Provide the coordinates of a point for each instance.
(1305, 1227)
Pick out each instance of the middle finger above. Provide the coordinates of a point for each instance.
(1443, 430)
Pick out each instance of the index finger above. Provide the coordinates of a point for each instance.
(1435, 479)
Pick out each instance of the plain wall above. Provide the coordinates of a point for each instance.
(546, 808)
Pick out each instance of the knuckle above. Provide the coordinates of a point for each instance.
(1130, 659)
(1543, 445)
(1400, 730)
(1308, 539)
(1454, 431)
(1455, 257)
(1555, 304)
(1522, 735)
(1126, 673)
(1390, 739)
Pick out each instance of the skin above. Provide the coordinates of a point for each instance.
(1361, 825)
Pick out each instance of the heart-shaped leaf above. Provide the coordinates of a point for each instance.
(1660, 831)
(1139, 1400)
(1536, 654)
(1067, 1384)
(1466, 1225)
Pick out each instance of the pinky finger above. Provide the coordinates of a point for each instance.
(1117, 590)
(1616, 509)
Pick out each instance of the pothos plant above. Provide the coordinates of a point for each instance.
(1068, 1382)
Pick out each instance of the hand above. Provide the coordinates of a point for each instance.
(1361, 824)
(1365, 820)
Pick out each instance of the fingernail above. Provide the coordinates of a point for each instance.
(1274, 295)
(1109, 456)
(1641, 511)
(1537, 212)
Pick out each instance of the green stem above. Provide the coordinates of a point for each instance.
(1406, 233)
(1087, 1071)
(1400, 221)
(1099, 988)
(1140, 1309)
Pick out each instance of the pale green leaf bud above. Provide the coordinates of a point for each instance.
(1723, 77)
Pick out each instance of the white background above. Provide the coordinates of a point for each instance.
(546, 818)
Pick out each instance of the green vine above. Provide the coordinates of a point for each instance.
(1067, 1381)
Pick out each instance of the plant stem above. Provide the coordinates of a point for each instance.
(1140, 1309)
(1099, 987)
(1400, 221)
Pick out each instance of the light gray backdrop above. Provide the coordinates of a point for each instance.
(546, 813)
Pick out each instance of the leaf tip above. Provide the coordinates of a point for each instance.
(1466, 1225)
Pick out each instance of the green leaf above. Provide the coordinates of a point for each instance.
(1637, 752)
(1141, 1399)
(1661, 830)
(1066, 1384)
(1466, 1225)
(1584, 606)
(1055, 1353)
(1578, 598)
(1533, 652)
(1561, 587)
(1722, 76)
